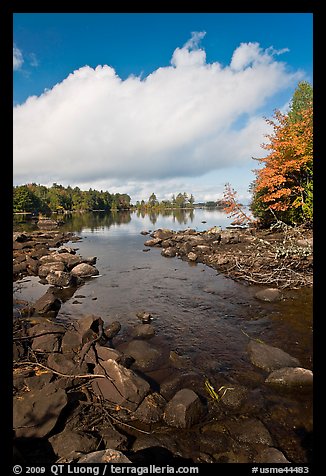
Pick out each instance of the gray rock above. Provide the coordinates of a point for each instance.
(71, 443)
(84, 270)
(162, 234)
(104, 456)
(46, 343)
(65, 365)
(35, 415)
(269, 295)
(122, 386)
(291, 377)
(184, 409)
(270, 358)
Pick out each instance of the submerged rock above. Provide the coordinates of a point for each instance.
(270, 358)
(269, 295)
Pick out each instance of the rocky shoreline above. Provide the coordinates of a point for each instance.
(81, 394)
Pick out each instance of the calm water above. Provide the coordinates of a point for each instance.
(200, 312)
(197, 312)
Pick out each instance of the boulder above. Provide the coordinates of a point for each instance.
(122, 386)
(162, 234)
(270, 358)
(71, 443)
(192, 256)
(45, 269)
(37, 413)
(65, 365)
(48, 303)
(84, 270)
(112, 329)
(153, 242)
(169, 252)
(145, 317)
(184, 409)
(290, 377)
(151, 409)
(104, 456)
(269, 295)
(113, 439)
(60, 279)
(146, 356)
(229, 237)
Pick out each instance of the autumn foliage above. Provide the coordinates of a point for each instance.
(234, 208)
(284, 185)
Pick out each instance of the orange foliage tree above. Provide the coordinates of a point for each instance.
(234, 208)
(284, 185)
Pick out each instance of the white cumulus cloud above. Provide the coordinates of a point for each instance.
(179, 121)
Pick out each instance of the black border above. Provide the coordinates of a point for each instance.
(6, 81)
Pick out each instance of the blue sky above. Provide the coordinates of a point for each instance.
(146, 102)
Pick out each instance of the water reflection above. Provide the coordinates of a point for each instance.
(180, 216)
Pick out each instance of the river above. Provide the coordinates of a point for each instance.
(202, 315)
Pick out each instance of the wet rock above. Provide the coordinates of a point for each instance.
(112, 329)
(122, 386)
(169, 252)
(151, 409)
(72, 443)
(249, 430)
(270, 358)
(234, 397)
(184, 409)
(178, 361)
(270, 455)
(143, 331)
(37, 413)
(297, 377)
(144, 232)
(114, 440)
(145, 317)
(48, 303)
(192, 256)
(146, 356)
(269, 295)
(104, 456)
(84, 270)
(60, 279)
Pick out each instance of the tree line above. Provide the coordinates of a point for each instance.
(35, 198)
